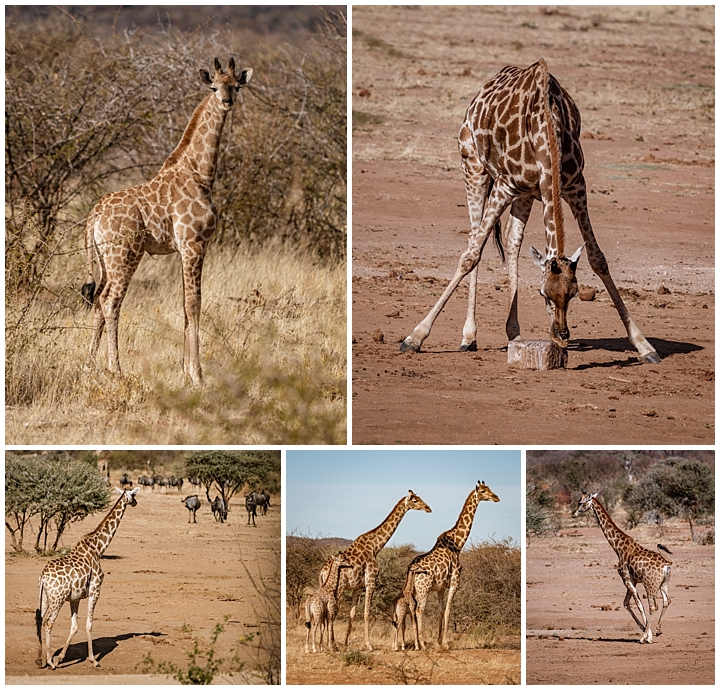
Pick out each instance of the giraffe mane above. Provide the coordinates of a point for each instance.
(555, 156)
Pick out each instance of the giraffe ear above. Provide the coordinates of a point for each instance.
(593, 495)
(576, 256)
(119, 491)
(205, 77)
(134, 491)
(537, 257)
(245, 76)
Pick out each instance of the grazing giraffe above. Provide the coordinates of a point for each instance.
(436, 571)
(520, 141)
(362, 555)
(173, 212)
(321, 607)
(73, 577)
(636, 564)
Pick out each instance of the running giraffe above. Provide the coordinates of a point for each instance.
(636, 564)
(173, 212)
(520, 141)
(74, 577)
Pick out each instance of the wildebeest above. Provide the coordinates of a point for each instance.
(145, 481)
(161, 481)
(251, 507)
(125, 481)
(192, 503)
(219, 509)
(262, 500)
(172, 480)
(194, 481)
(179, 484)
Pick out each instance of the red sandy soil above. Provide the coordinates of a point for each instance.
(578, 631)
(161, 573)
(643, 80)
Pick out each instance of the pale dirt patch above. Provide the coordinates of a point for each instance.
(575, 612)
(643, 79)
(160, 574)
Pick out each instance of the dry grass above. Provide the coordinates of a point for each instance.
(273, 348)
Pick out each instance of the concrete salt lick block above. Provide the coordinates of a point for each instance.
(536, 354)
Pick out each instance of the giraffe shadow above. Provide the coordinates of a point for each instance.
(102, 646)
(665, 348)
(591, 638)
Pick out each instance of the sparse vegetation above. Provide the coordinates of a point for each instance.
(273, 334)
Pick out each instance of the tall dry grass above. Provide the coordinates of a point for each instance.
(273, 348)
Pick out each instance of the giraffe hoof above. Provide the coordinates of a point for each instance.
(651, 358)
(409, 345)
(471, 347)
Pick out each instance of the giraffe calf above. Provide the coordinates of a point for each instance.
(321, 607)
(404, 605)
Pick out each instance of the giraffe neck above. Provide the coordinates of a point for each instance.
(615, 536)
(102, 536)
(461, 531)
(198, 148)
(333, 579)
(380, 536)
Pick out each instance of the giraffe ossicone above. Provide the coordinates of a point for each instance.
(520, 142)
(73, 577)
(173, 212)
(636, 565)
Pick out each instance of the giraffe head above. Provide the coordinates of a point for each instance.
(414, 502)
(584, 504)
(128, 497)
(483, 493)
(226, 85)
(559, 286)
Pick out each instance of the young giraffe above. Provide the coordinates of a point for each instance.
(321, 607)
(636, 564)
(520, 141)
(362, 554)
(173, 212)
(438, 570)
(74, 577)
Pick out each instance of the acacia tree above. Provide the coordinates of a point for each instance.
(57, 487)
(230, 471)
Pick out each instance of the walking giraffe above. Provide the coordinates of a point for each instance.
(321, 607)
(436, 571)
(636, 564)
(362, 555)
(173, 212)
(74, 577)
(520, 141)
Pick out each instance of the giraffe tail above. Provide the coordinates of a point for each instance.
(38, 617)
(88, 289)
(497, 230)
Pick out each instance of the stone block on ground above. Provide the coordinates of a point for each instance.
(536, 354)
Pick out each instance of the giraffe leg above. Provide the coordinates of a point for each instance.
(192, 256)
(368, 599)
(74, 605)
(419, 611)
(99, 316)
(666, 602)
(47, 625)
(351, 618)
(519, 214)
(441, 609)
(576, 197)
(477, 185)
(93, 597)
(497, 203)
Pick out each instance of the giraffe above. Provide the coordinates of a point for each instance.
(438, 570)
(519, 141)
(73, 577)
(173, 212)
(362, 554)
(321, 607)
(636, 564)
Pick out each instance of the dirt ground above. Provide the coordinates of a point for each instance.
(161, 574)
(643, 80)
(459, 666)
(575, 613)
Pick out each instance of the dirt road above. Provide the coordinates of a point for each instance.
(643, 80)
(575, 613)
(161, 574)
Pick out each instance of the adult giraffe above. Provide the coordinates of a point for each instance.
(74, 577)
(173, 212)
(520, 141)
(362, 555)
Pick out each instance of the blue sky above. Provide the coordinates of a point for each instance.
(343, 493)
